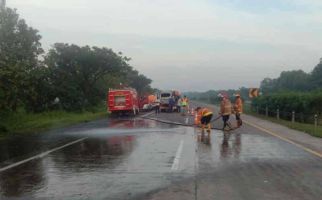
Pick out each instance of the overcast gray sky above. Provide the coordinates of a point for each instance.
(191, 45)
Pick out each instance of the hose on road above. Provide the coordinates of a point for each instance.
(213, 120)
(182, 124)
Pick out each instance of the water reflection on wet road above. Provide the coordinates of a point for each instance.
(135, 158)
(121, 161)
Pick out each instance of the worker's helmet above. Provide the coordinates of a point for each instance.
(223, 95)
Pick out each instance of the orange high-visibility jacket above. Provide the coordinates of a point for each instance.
(225, 107)
(204, 112)
(238, 105)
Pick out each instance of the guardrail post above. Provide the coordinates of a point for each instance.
(315, 122)
(293, 117)
(278, 114)
(266, 111)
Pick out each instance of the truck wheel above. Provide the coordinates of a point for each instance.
(115, 114)
(112, 114)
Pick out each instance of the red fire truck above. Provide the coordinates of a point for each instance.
(123, 101)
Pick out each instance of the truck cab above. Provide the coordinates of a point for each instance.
(164, 100)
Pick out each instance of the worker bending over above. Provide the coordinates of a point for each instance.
(206, 116)
(238, 108)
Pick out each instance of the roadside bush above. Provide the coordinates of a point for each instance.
(305, 105)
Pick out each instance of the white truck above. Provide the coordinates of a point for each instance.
(164, 97)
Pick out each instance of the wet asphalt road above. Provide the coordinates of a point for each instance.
(144, 159)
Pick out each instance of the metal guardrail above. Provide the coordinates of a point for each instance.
(307, 118)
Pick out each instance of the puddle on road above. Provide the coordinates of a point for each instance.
(111, 161)
(17, 148)
(230, 149)
(130, 157)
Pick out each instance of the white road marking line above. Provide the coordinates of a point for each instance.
(175, 165)
(41, 155)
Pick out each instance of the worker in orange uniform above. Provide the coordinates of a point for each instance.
(238, 109)
(225, 110)
(205, 119)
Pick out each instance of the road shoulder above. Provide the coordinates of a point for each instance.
(303, 139)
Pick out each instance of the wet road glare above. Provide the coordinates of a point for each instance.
(145, 159)
(128, 158)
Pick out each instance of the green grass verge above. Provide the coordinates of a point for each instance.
(307, 128)
(21, 122)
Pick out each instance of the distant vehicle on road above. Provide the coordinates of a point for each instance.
(164, 97)
(147, 102)
(123, 101)
(164, 100)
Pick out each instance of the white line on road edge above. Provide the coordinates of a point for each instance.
(41, 155)
(175, 165)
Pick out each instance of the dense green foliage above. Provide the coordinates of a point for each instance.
(316, 77)
(305, 105)
(293, 91)
(296, 80)
(78, 74)
(19, 50)
(68, 77)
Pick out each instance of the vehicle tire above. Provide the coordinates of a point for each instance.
(115, 114)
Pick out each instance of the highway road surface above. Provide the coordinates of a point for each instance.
(144, 158)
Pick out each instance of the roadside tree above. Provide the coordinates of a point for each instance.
(20, 49)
